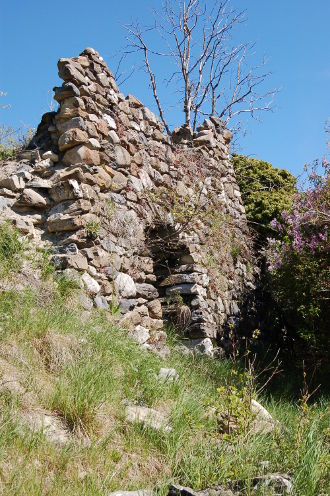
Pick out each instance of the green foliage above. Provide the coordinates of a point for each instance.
(45, 263)
(92, 228)
(266, 191)
(298, 260)
(89, 393)
(11, 249)
(298, 287)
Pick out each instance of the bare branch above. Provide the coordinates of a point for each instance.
(212, 74)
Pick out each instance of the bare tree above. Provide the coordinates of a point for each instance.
(210, 71)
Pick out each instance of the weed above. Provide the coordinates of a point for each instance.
(45, 262)
(92, 228)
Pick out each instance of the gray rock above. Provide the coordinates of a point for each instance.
(147, 291)
(113, 137)
(85, 302)
(101, 303)
(14, 183)
(67, 90)
(280, 483)
(74, 123)
(65, 190)
(70, 249)
(206, 140)
(127, 305)
(192, 278)
(204, 346)
(111, 273)
(39, 183)
(68, 71)
(186, 289)
(177, 490)
(50, 155)
(43, 166)
(94, 144)
(119, 182)
(110, 121)
(51, 426)
(5, 202)
(59, 222)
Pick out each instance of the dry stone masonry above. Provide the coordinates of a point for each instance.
(150, 222)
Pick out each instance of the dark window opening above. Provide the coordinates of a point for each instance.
(170, 257)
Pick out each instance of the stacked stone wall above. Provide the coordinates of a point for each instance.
(150, 222)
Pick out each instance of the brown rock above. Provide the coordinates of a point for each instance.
(103, 127)
(31, 198)
(119, 182)
(122, 157)
(58, 223)
(70, 113)
(155, 309)
(101, 178)
(81, 155)
(68, 71)
(78, 262)
(71, 138)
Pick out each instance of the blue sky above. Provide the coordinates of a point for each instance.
(293, 34)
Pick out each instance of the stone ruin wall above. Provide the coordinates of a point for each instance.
(150, 222)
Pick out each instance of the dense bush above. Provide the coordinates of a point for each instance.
(266, 191)
(298, 260)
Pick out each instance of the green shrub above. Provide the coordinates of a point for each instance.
(266, 191)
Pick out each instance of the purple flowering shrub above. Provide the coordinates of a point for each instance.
(298, 259)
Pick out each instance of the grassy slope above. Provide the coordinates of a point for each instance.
(83, 367)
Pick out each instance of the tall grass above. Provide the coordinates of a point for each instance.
(89, 392)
